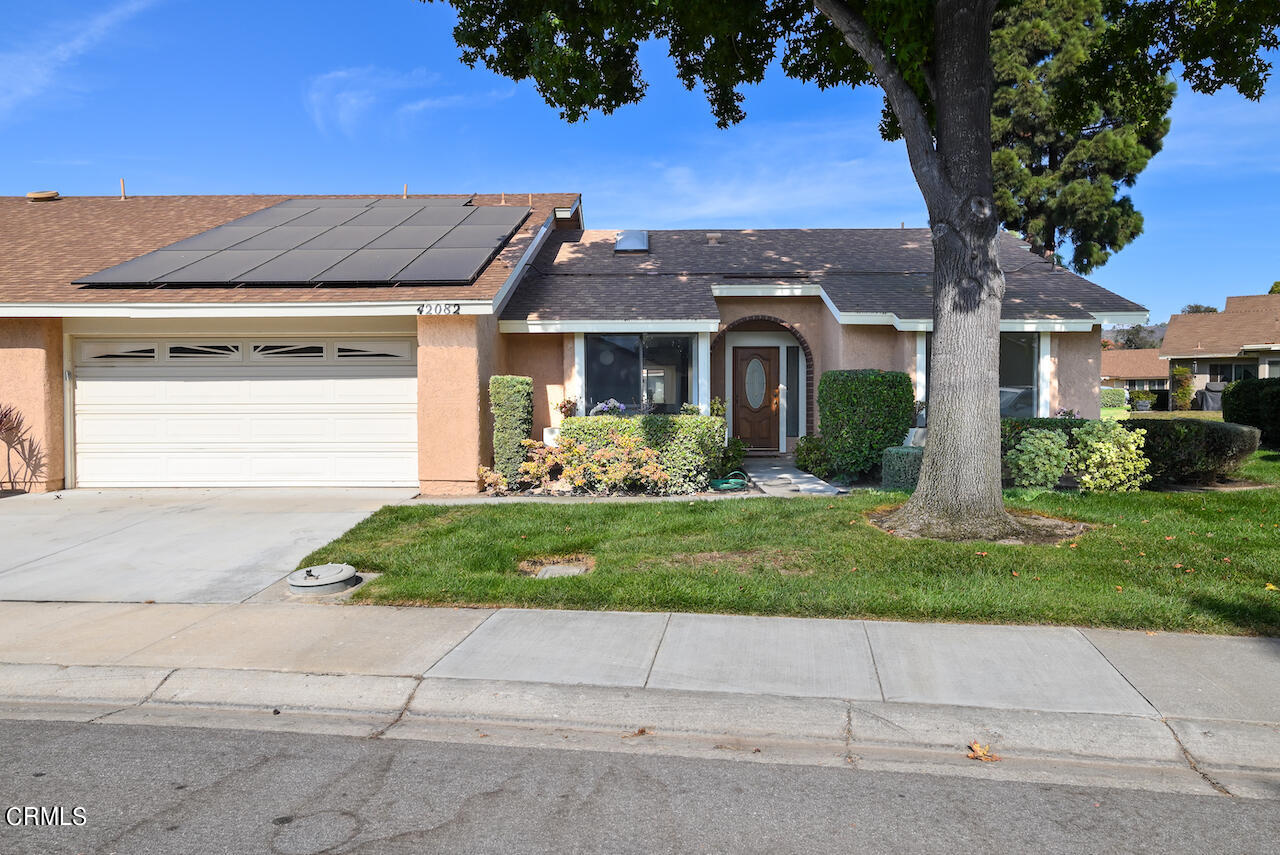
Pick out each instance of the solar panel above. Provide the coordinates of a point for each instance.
(383, 216)
(439, 216)
(470, 236)
(346, 237)
(326, 217)
(145, 268)
(221, 267)
(409, 237)
(497, 215)
(283, 237)
(424, 202)
(220, 238)
(295, 266)
(446, 265)
(308, 241)
(369, 265)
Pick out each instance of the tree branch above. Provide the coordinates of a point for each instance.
(925, 163)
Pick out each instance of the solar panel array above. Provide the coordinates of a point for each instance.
(311, 242)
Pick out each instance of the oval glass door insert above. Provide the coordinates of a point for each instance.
(755, 383)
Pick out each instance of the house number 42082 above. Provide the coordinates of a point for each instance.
(440, 309)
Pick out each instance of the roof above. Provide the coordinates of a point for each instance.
(46, 246)
(1142, 363)
(858, 270)
(1248, 322)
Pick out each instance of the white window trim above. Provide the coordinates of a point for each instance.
(782, 341)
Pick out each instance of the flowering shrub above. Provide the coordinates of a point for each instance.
(625, 464)
(607, 408)
(1108, 457)
(1039, 459)
(568, 407)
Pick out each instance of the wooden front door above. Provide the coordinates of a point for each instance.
(755, 396)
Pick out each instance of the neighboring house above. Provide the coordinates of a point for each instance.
(1135, 368)
(270, 340)
(1241, 341)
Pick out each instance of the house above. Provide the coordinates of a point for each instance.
(1135, 368)
(1241, 341)
(271, 340)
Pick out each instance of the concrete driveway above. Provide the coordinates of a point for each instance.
(170, 546)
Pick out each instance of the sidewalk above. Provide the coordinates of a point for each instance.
(1160, 711)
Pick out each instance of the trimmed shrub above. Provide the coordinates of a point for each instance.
(1195, 451)
(1181, 389)
(690, 448)
(1108, 457)
(861, 413)
(1011, 430)
(1110, 397)
(900, 467)
(812, 456)
(1254, 402)
(511, 402)
(1039, 459)
(624, 464)
(1141, 395)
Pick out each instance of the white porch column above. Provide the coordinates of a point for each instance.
(1044, 376)
(702, 369)
(922, 367)
(578, 379)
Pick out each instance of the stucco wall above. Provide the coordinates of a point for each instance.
(1076, 365)
(456, 357)
(31, 380)
(542, 357)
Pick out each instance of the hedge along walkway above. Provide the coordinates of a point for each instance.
(1167, 561)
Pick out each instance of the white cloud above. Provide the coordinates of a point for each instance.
(772, 175)
(30, 71)
(345, 98)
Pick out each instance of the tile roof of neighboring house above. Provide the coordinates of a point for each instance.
(45, 246)
(861, 270)
(1134, 364)
(1222, 333)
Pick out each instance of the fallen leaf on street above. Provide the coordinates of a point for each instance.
(643, 731)
(982, 752)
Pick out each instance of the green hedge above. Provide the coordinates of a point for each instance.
(690, 448)
(812, 456)
(1110, 397)
(1011, 430)
(900, 467)
(861, 413)
(1195, 451)
(1254, 402)
(511, 402)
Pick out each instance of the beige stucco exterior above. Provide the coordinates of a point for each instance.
(31, 381)
(1075, 362)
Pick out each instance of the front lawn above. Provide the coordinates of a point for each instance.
(1162, 561)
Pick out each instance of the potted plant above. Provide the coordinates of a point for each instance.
(1141, 400)
(568, 408)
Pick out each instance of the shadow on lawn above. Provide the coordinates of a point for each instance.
(1259, 618)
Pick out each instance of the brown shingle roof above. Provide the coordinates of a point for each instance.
(1134, 364)
(1219, 333)
(44, 246)
(861, 270)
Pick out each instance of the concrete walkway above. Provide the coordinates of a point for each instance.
(778, 476)
(1163, 711)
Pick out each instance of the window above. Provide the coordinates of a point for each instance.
(1226, 372)
(793, 390)
(1019, 358)
(93, 351)
(288, 351)
(204, 351)
(382, 350)
(647, 373)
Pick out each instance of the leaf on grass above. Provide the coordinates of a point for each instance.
(982, 752)
(1119, 587)
(1170, 536)
(1014, 572)
(979, 553)
(1270, 587)
(1177, 566)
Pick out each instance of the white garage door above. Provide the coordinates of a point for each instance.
(246, 412)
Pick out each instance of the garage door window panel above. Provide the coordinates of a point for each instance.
(217, 351)
(274, 352)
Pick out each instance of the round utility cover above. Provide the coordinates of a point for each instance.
(322, 579)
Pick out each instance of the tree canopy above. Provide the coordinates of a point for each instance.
(1059, 169)
(1198, 309)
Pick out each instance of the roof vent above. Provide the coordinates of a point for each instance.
(631, 240)
(42, 195)
(713, 238)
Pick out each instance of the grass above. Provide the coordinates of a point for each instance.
(1119, 413)
(1158, 561)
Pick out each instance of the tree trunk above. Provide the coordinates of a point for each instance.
(959, 496)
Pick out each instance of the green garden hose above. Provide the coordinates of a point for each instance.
(735, 480)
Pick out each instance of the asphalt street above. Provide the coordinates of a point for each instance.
(168, 790)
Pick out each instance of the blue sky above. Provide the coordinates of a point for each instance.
(180, 96)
